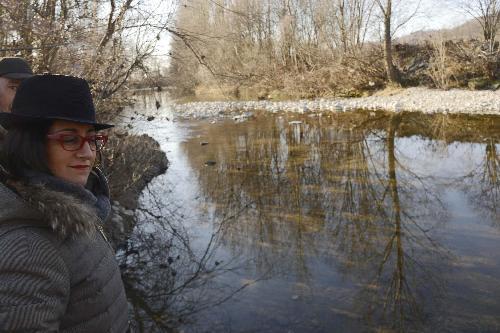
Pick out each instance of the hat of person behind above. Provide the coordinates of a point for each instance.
(52, 97)
(15, 68)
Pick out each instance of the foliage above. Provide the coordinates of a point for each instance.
(439, 71)
(104, 41)
(289, 46)
(307, 49)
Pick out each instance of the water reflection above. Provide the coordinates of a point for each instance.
(343, 190)
(340, 222)
(409, 208)
(486, 196)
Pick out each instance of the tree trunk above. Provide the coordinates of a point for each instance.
(392, 73)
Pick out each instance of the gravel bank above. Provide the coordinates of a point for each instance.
(411, 99)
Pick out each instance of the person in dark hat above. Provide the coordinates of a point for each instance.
(58, 273)
(12, 71)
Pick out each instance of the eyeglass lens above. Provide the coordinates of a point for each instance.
(75, 142)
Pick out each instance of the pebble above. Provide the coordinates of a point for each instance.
(117, 221)
(117, 218)
(128, 212)
(411, 99)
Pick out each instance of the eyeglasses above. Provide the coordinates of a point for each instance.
(74, 142)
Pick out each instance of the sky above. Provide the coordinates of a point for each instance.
(432, 14)
(435, 14)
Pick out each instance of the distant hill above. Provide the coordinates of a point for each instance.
(469, 30)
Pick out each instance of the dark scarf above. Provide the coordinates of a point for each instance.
(98, 200)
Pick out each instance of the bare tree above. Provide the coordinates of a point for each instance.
(487, 14)
(388, 13)
(104, 41)
(267, 43)
(352, 18)
(385, 7)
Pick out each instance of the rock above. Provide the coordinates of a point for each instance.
(150, 118)
(398, 107)
(117, 220)
(240, 118)
(128, 212)
(409, 99)
(203, 143)
(210, 163)
(135, 161)
(120, 133)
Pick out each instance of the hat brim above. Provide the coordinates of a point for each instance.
(9, 120)
(17, 76)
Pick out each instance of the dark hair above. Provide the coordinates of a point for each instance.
(24, 148)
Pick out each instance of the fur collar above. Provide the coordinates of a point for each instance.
(38, 203)
(64, 213)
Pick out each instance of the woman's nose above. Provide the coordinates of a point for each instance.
(85, 151)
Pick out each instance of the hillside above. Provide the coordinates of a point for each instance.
(468, 30)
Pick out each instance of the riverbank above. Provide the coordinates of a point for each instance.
(131, 162)
(411, 99)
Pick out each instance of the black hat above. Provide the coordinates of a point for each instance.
(52, 96)
(15, 68)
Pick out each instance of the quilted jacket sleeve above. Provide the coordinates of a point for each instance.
(34, 283)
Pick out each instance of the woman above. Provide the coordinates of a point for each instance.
(57, 271)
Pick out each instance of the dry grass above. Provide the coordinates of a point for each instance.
(389, 91)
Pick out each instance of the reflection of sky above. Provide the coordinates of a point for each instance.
(316, 286)
(175, 190)
(438, 159)
(316, 283)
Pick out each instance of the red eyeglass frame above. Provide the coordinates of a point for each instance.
(59, 137)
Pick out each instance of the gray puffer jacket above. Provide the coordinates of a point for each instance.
(57, 271)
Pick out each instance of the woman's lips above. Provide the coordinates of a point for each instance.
(80, 167)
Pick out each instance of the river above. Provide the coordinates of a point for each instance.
(339, 222)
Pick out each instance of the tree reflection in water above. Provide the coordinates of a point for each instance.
(407, 276)
(486, 196)
(167, 278)
(335, 189)
(332, 188)
(482, 183)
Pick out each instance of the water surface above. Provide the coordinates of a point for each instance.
(349, 222)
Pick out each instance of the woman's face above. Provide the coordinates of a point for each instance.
(71, 166)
